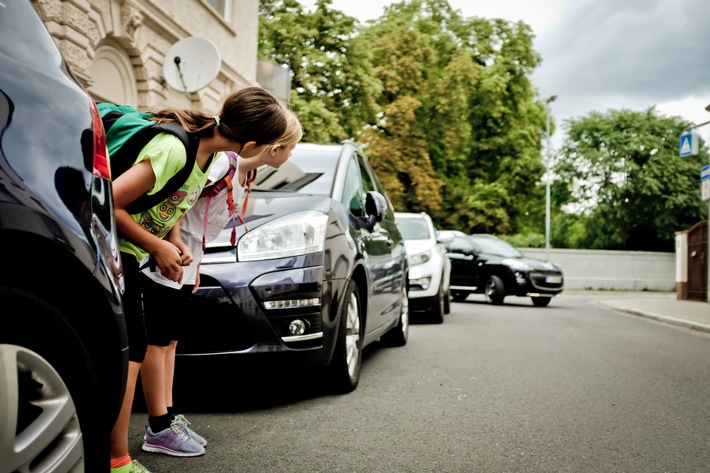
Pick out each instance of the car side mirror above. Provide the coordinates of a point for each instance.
(446, 238)
(375, 206)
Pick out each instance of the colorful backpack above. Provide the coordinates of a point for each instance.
(127, 132)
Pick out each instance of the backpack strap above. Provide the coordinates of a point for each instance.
(127, 132)
(191, 143)
(209, 191)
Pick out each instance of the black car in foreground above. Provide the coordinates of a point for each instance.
(320, 274)
(63, 344)
(485, 264)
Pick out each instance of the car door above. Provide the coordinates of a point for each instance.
(465, 263)
(386, 256)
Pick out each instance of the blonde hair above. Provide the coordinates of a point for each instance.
(294, 130)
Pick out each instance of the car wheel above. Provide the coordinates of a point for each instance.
(447, 302)
(436, 313)
(344, 368)
(495, 290)
(459, 296)
(398, 335)
(541, 301)
(52, 414)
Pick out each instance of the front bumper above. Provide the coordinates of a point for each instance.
(230, 314)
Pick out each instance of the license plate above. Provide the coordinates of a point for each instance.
(553, 279)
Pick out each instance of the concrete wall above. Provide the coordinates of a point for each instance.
(612, 270)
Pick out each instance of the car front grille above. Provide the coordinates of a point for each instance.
(540, 280)
(214, 327)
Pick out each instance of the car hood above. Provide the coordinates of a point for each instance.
(264, 207)
(533, 262)
(414, 247)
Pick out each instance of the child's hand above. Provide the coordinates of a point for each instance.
(186, 255)
(167, 257)
(174, 276)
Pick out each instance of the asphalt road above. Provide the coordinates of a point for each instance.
(572, 387)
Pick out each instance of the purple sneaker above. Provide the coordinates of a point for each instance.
(180, 419)
(172, 441)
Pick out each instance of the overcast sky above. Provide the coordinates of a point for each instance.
(605, 54)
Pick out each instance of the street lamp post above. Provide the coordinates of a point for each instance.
(548, 160)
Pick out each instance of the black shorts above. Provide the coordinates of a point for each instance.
(164, 308)
(133, 309)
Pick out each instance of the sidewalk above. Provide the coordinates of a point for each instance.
(662, 306)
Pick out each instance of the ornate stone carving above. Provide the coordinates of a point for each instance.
(131, 20)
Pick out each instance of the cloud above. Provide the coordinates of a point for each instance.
(632, 54)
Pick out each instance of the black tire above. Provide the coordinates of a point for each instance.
(495, 290)
(541, 301)
(343, 372)
(447, 302)
(436, 312)
(55, 403)
(398, 335)
(459, 296)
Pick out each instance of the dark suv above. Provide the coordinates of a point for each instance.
(63, 344)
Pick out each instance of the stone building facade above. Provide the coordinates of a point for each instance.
(117, 48)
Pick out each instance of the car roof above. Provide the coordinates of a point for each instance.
(421, 215)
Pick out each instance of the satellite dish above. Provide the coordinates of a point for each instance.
(191, 64)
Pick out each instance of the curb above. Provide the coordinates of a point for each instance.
(658, 317)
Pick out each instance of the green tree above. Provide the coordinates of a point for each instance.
(473, 124)
(621, 174)
(332, 89)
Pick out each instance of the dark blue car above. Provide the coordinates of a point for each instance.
(63, 345)
(321, 273)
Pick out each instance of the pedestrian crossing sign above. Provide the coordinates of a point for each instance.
(689, 144)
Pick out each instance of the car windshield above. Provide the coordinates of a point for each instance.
(414, 229)
(309, 170)
(495, 246)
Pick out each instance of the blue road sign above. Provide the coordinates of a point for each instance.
(686, 145)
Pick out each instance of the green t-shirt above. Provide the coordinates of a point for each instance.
(167, 155)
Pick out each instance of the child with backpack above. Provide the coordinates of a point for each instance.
(229, 178)
(250, 120)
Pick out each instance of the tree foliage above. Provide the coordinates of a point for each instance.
(332, 88)
(622, 173)
(446, 111)
(473, 125)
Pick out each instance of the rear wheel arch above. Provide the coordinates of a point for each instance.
(38, 327)
(75, 294)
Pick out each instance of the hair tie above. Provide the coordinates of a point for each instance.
(216, 120)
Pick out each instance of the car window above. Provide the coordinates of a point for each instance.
(24, 36)
(460, 245)
(368, 182)
(498, 247)
(308, 171)
(352, 190)
(414, 229)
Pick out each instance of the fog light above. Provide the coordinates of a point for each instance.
(422, 283)
(297, 327)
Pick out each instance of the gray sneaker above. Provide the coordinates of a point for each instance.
(172, 441)
(180, 419)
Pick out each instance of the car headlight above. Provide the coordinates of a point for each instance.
(517, 265)
(297, 234)
(419, 258)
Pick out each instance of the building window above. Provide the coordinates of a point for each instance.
(220, 6)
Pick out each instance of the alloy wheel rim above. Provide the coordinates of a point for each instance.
(352, 335)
